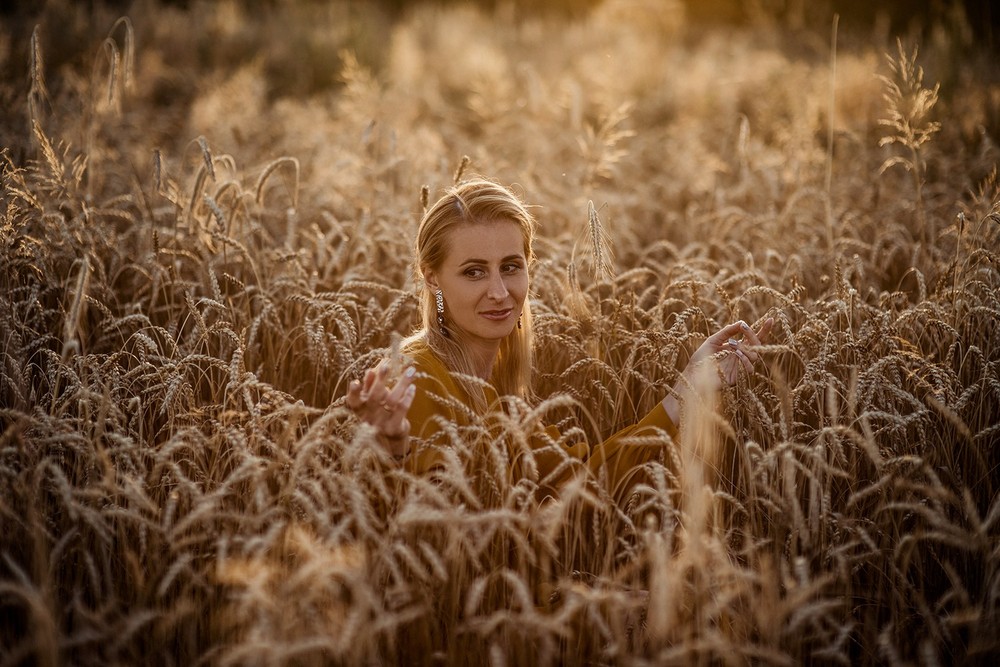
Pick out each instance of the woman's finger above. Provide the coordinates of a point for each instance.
(354, 401)
(745, 360)
(377, 399)
(749, 335)
(749, 352)
(411, 391)
(764, 333)
(390, 400)
(721, 337)
(397, 425)
(405, 381)
(399, 414)
(736, 358)
(366, 385)
(756, 338)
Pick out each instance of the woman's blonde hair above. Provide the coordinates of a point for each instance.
(471, 202)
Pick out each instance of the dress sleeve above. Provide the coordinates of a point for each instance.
(434, 417)
(616, 457)
(621, 461)
(555, 459)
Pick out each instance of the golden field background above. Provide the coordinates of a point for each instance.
(208, 210)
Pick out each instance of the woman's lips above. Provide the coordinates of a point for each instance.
(497, 315)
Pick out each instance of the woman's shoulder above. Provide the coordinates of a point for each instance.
(432, 373)
(419, 354)
(438, 399)
(435, 381)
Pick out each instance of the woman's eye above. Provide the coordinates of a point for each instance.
(474, 273)
(512, 268)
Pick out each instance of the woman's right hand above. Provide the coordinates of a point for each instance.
(384, 408)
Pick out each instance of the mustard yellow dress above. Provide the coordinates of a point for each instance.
(442, 409)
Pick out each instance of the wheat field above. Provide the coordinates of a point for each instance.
(207, 218)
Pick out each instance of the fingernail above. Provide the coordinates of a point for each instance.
(746, 327)
(410, 372)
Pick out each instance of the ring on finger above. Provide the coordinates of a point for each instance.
(387, 407)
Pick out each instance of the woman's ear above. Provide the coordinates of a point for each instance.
(430, 279)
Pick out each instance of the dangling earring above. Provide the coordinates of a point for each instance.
(518, 321)
(439, 299)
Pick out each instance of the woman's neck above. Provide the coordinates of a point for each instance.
(482, 354)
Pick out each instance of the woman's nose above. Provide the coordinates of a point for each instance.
(498, 289)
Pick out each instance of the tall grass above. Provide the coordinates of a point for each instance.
(196, 264)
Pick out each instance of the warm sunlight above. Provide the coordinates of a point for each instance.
(727, 393)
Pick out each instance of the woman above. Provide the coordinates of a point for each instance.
(473, 252)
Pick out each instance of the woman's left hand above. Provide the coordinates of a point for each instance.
(732, 347)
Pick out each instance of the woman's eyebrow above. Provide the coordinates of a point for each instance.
(508, 258)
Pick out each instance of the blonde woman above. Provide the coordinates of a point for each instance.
(474, 253)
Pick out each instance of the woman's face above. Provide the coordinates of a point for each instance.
(483, 279)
